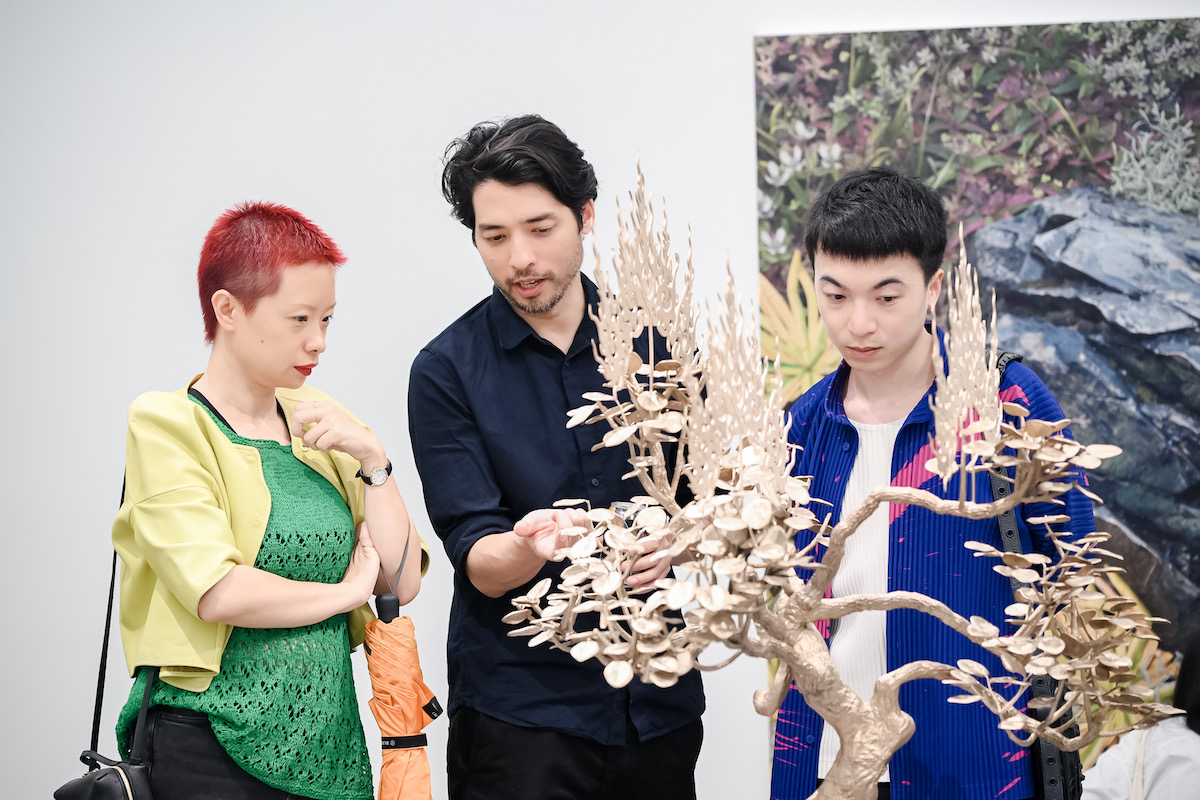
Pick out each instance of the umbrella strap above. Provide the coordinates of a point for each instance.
(403, 556)
(404, 742)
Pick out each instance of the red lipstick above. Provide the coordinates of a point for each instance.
(305, 370)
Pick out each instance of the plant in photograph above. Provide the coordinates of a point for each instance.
(993, 118)
(1161, 165)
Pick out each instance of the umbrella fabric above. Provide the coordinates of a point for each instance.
(403, 705)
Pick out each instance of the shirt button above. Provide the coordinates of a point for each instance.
(845, 446)
(809, 739)
(595, 481)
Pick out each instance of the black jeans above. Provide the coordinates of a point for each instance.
(188, 763)
(487, 759)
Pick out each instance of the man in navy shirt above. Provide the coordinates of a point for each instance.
(488, 402)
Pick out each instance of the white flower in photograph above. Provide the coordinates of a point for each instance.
(775, 243)
(830, 155)
(766, 205)
(791, 158)
(775, 175)
(803, 132)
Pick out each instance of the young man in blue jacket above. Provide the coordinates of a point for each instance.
(876, 240)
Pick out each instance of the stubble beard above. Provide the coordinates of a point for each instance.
(560, 287)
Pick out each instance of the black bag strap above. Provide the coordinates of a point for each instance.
(1008, 520)
(140, 742)
(1056, 774)
(112, 586)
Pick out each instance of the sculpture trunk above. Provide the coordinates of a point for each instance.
(870, 732)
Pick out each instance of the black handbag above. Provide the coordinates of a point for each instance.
(106, 778)
(1057, 775)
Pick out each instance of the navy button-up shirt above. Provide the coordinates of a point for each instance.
(488, 402)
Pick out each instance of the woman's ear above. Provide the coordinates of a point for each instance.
(227, 309)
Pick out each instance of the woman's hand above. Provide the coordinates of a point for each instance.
(363, 571)
(254, 598)
(324, 426)
(548, 530)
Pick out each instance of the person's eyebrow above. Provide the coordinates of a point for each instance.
(549, 215)
(885, 282)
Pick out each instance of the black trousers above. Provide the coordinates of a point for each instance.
(188, 763)
(487, 759)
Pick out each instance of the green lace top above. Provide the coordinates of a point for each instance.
(283, 705)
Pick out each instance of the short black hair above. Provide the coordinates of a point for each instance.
(876, 213)
(520, 150)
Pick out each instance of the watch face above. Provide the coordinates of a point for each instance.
(378, 476)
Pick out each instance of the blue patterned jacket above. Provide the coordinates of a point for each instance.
(957, 751)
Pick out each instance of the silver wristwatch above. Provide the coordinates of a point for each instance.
(377, 476)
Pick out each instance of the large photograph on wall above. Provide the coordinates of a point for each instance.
(1069, 156)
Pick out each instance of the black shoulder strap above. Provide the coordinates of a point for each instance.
(1056, 774)
(112, 585)
(1000, 485)
(139, 744)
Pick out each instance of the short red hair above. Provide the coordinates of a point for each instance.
(247, 249)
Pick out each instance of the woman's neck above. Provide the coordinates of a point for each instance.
(250, 409)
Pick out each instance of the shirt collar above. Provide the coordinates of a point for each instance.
(511, 330)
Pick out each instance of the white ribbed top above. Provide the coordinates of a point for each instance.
(859, 644)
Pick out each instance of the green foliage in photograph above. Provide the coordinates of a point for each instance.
(993, 118)
(1161, 165)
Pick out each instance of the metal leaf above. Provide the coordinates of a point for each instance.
(680, 594)
(586, 649)
(618, 674)
(973, 668)
(618, 435)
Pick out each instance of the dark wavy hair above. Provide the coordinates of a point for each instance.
(517, 151)
(876, 213)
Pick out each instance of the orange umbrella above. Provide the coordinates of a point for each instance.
(403, 705)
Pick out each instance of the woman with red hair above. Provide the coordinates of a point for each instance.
(258, 519)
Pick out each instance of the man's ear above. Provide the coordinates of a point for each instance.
(934, 289)
(227, 308)
(587, 216)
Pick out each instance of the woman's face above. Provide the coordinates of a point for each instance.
(279, 343)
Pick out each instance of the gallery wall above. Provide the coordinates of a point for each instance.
(129, 126)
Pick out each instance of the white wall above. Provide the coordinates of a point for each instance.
(129, 126)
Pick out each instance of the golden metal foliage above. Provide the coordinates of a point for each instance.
(736, 539)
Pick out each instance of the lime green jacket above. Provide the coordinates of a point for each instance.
(196, 505)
